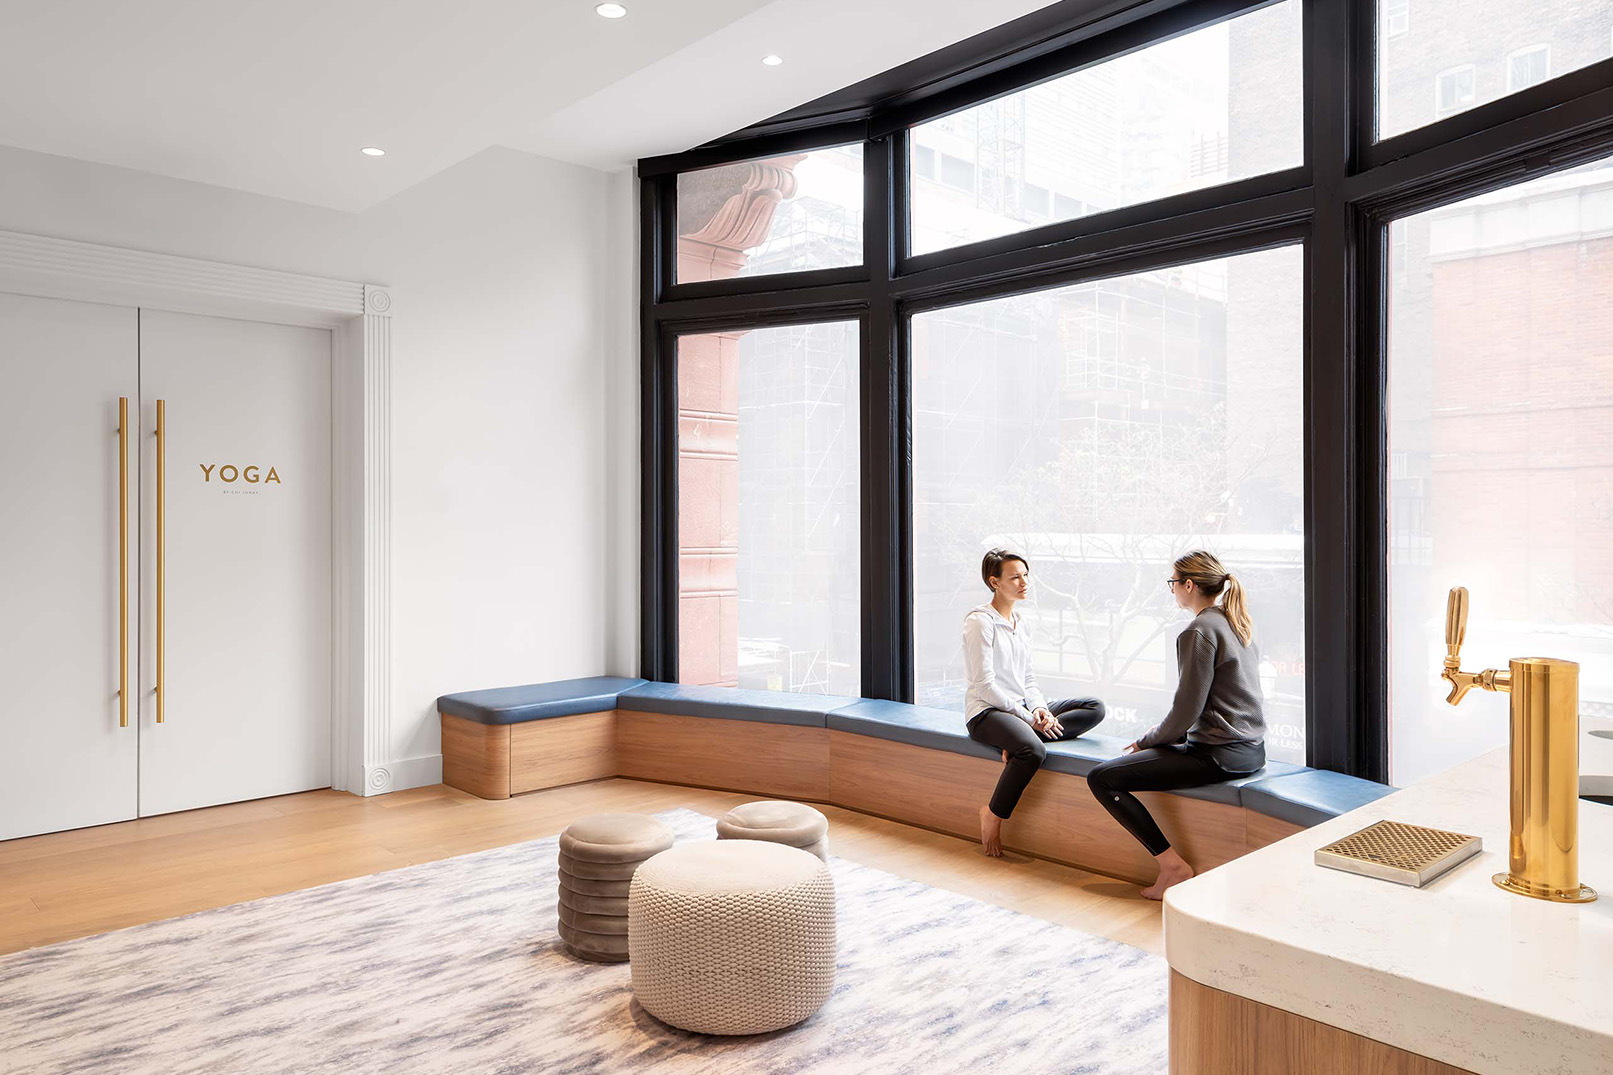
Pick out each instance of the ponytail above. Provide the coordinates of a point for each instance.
(1212, 578)
(1237, 610)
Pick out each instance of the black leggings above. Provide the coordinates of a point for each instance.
(1180, 765)
(1025, 747)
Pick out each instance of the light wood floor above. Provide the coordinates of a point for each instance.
(73, 884)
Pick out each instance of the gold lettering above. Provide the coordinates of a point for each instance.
(207, 471)
(251, 475)
(233, 473)
(273, 477)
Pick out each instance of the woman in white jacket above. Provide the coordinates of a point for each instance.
(1003, 707)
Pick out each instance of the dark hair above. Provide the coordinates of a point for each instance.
(1211, 577)
(992, 566)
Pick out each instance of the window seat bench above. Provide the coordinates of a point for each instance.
(905, 762)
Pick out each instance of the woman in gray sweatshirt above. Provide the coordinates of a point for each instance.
(1215, 729)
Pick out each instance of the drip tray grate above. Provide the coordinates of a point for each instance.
(1395, 851)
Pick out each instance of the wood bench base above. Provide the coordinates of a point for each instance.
(1057, 819)
(495, 761)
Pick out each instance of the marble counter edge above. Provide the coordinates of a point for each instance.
(1465, 1031)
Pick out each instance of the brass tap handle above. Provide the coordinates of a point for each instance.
(1455, 626)
(1455, 633)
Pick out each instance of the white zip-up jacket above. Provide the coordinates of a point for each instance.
(997, 660)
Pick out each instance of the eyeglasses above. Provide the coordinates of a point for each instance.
(1173, 583)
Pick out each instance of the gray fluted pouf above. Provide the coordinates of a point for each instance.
(732, 936)
(779, 822)
(598, 855)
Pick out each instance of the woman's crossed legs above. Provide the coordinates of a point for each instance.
(1024, 751)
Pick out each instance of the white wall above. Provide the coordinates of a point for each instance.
(623, 424)
(514, 541)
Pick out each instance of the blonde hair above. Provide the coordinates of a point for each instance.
(1211, 577)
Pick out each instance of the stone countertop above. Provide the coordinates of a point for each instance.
(1596, 758)
(1458, 970)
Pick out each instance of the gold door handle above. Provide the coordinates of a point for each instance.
(123, 561)
(162, 590)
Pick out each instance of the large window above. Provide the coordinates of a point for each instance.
(1474, 51)
(1101, 430)
(1353, 368)
(767, 509)
(1500, 452)
(783, 214)
(1213, 105)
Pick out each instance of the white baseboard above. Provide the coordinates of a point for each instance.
(403, 774)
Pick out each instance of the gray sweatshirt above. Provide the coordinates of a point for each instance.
(1218, 697)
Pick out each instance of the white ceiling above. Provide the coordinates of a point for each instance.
(278, 96)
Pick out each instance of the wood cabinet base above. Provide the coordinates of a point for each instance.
(562, 750)
(476, 757)
(1218, 1033)
(1058, 818)
(784, 761)
(495, 761)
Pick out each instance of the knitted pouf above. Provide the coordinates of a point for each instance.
(779, 822)
(598, 855)
(732, 936)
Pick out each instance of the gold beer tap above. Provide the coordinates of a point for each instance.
(1543, 849)
(1461, 682)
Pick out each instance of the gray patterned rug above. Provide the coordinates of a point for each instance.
(454, 966)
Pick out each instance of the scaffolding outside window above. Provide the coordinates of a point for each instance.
(1211, 106)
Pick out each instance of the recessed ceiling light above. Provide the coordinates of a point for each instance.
(371, 151)
(610, 11)
(772, 61)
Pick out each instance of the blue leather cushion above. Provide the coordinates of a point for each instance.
(535, 701)
(920, 726)
(1311, 796)
(732, 703)
(1078, 756)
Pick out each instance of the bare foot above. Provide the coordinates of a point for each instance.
(991, 832)
(1173, 870)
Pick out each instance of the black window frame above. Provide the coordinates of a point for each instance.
(1338, 203)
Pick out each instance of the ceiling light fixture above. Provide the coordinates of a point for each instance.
(610, 11)
(371, 151)
(772, 61)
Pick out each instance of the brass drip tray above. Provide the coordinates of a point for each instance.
(1394, 851)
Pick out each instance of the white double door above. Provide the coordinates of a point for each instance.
(239, 521)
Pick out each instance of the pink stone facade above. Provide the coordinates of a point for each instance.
(708, 430)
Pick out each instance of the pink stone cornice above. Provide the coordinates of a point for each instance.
(744, 219)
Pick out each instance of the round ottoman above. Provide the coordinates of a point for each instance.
(779, 822)
(732, 936)
(598, 855)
